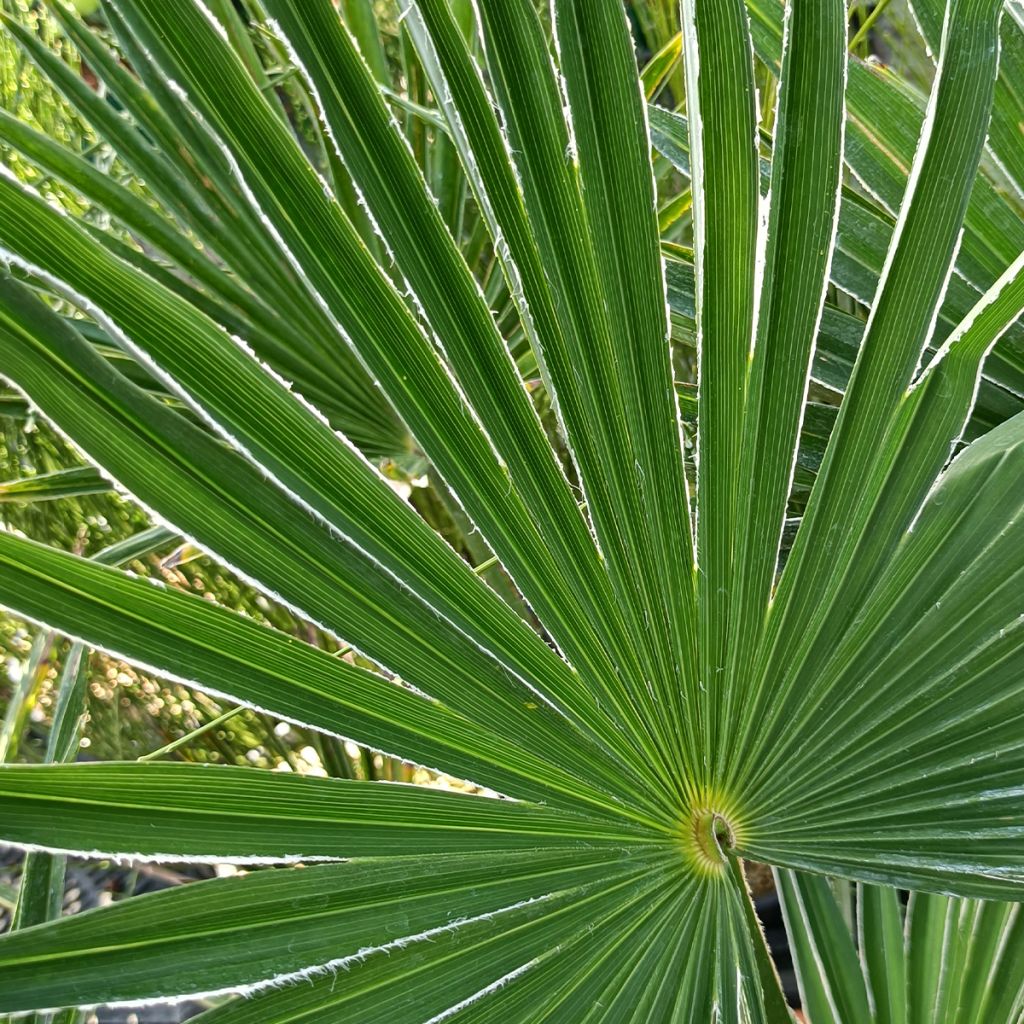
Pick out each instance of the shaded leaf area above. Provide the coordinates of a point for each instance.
(884, 122)
(934, 960)
(196, 201)
(864, 233)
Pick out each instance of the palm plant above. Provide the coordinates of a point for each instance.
(714, 658)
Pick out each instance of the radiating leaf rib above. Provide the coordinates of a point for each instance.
(567, 983)
(41, 888)
(174, 183)
(958, 962)
(483, 147)
(935, 648)
(642, 982)
(991, 969)
(690, 961)
(802, 223)
(671, 931)
(932, 929)
(669, 956)
(878, 736)
(214, 492)
(174, 137)
(864, 236)
(725, 178)
(610, 140)
(394, 190)
(108, 124)
(231, 305)
(198, 152)
(559, 270)
(232, 320)
(273, 925)
(998, 994)
(185, 638)
(839, 337)
(335, 265)
(993, 232)
(396, 193)
(1005, 133)
(953, 978)
(698, 965)
(185, 811)
(805, 614)
(885, 120)
(117, 200)
(458, 970)
(754, 955)
(209, 493)
(739, 973)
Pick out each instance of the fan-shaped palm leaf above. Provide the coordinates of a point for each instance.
(674, 703)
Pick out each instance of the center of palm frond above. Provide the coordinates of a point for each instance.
(708, 839)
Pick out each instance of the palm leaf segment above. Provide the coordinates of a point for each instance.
(687, 705)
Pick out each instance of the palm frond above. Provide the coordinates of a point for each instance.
(771, 612)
